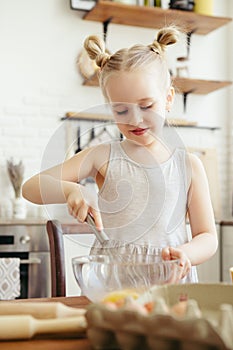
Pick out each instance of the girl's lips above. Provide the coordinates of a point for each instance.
(139, 131)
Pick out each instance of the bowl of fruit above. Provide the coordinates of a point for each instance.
(112, 277)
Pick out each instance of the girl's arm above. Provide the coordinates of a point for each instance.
(59, 184)
(201, 217)
(53, 185)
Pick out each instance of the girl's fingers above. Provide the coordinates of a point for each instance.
(81, 212)
(176, 253)
(184, 266)
(187, 268)
(97, 218)
(166, 253)
(78, 211)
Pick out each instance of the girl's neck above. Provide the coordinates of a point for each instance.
(146, 154)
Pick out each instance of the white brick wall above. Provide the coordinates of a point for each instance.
(230, 125)
(40, 41)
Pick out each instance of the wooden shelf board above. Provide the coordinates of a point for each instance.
(182, 85)
(153, 17)
(87, 116)
(212, 128)
(76, 116)
(198, 86)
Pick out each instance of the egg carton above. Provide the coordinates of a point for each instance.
(207, 322)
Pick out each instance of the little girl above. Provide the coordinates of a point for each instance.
(148, 185)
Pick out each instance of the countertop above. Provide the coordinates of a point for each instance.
(51, 343)
(43, 221)
(28, 221)
(71, 226)
(227, 223)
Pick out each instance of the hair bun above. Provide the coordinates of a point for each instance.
(101, 59)
(166, 36)
(95, 48)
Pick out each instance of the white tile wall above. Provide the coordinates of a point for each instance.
(230, 127)
(227, 248)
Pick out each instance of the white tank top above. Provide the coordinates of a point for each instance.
(143, 207)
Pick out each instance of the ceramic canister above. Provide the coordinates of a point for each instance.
(204, 7)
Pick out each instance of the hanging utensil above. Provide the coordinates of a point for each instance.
(78, 140)
(92, 134)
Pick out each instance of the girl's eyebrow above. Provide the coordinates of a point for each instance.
(146, 99)
(119, 104)
(115, 104)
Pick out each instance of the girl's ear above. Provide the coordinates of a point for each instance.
(170, 98)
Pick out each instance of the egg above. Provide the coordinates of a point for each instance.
(179, 309)
(119, 297)
(132, 305)
(110, 305)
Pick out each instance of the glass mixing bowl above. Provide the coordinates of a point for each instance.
(100, 275)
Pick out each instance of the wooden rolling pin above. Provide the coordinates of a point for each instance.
(26, 326)
(39, 309)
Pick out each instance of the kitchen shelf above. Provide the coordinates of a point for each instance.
(87, 116)
(82, 116)
(182, 85)
(153, 17)
(198, 86)
(200, 127)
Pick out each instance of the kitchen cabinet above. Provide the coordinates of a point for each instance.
(227, 249)
(155, 17)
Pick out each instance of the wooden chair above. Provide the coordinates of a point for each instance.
(55, 231)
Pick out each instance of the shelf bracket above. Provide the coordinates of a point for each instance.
(105, 27)
(188, 36)
(185, 96)
(188, 45)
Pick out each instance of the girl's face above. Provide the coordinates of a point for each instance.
(139, 103)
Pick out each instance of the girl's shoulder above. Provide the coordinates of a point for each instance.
(100, 154)
(194, 160)
(196, 166)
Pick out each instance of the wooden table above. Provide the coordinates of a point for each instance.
(51, 343)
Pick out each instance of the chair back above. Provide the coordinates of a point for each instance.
(55, 231)
(57, 258)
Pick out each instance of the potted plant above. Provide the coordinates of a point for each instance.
(16, 173)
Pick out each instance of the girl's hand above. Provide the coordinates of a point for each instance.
(170, 253)
(82, 201)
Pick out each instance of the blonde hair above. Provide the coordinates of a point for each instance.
(128, 59)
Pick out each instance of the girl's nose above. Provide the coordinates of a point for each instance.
(136, 116)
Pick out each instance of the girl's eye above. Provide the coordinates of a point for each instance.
(125, 111)
(144, 108)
